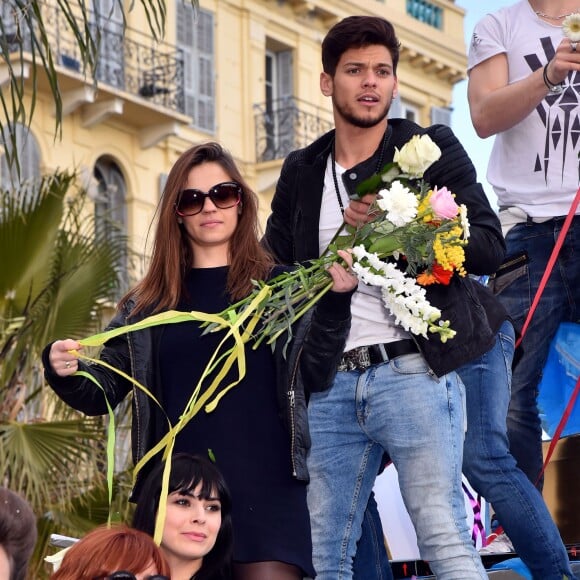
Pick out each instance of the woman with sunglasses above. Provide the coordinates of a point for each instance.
(205, 256)
(197, 538)
(118, 552)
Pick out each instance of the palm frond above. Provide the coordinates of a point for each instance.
(47, 461)
(57, 269)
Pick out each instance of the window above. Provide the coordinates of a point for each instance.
(28, 156)
(111, 58)
(426, 12)
(280, 107)
(111, 210)
(8, 16)
(441, 115)
(403, 109)
(195, 31)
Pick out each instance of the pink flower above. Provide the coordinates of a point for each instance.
(443, 204)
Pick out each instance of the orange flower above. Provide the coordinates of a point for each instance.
(438, 275)
(426, 278)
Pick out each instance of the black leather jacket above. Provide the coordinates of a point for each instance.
(309, 365)
(292, 234)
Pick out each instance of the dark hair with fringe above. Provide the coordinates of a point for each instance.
(358, 32)
(187, 472)
(172, 256)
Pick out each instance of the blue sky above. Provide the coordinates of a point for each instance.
(478, 149)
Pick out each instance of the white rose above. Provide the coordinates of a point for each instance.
(419, 153)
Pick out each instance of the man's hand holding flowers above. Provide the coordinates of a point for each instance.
(399, 215)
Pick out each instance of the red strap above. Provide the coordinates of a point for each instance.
(550, 266)
(553, 257)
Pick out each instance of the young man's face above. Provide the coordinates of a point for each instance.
(363, 85)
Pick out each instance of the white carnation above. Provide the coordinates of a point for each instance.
(399, 202)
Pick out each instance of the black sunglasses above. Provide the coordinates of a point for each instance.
(223, 196)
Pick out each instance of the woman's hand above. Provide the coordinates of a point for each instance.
(344, 279)
(63, 362)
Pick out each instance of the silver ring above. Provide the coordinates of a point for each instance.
(67, 364)
(573, 46)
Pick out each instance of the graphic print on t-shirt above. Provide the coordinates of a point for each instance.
(559, 115)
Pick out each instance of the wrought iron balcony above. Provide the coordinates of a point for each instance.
(128, 60)
(426, 12)
(286, 124)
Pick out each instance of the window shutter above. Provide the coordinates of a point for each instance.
(195, 31)
(285, 80)
(205, 56)
(441, 116)
(162, 183)
(396, 109)
(28, 155)
(185, 28)
(8, 17)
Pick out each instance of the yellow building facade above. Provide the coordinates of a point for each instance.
(242, 72)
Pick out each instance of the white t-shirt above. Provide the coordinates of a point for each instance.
(371, 321)
(534, 165)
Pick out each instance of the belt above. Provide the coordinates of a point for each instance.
(361, 358)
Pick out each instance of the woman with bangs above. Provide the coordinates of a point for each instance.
(206, 255)
(197, 538)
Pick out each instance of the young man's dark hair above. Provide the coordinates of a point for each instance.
(357, 32)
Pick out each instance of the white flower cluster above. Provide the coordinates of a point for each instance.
(402, 296)
(399, 202)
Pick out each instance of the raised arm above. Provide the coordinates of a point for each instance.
(496, 106)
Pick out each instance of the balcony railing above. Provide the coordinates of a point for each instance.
(287, 124)
(426, 12)
(128, 60)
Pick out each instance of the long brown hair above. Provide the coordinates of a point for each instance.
(172, 255)
(106, 550)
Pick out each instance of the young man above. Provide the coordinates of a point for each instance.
(408, 402)
(523, 79)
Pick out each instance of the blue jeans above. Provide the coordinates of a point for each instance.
(371, 561)
(492, 470)
(560, 302)
(400, 408)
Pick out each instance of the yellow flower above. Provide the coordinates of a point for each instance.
(571, 27)
(425, 209)
(448, 249)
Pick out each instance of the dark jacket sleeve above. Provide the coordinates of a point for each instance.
(279, 228)
(486, 246)
(325, 340)
(83, 394)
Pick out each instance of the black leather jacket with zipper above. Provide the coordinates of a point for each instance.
(308, 365)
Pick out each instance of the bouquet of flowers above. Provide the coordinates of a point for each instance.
(414, 236)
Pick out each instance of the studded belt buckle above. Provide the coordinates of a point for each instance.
(356, 359)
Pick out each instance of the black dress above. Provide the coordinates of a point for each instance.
(244, 434)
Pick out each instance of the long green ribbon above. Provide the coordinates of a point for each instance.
(239, 327)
